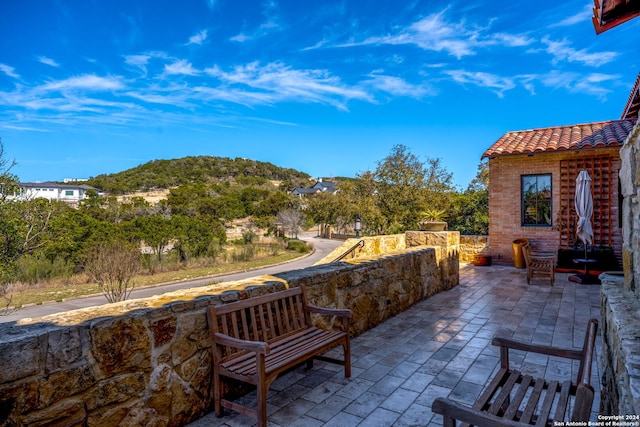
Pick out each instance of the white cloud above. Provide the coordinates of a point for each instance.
(561, 51)
(497, 84)
(398, 87)
(582, 16)
(182, 66)
(9, 71)
(137, 60)
(48, 61)
(435, 33)
(240, 38)
(579, 82)
(198, 38)
(276, 82)
(89, 82)
(269, 25)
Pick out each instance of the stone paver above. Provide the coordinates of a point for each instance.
(439, 347)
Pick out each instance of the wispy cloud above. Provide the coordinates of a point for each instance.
(579, 83)
(9, 71)
(497, 84)
(399, 87)
(277, 81)
(89, 82)
(270, 24)
(436, 33)
(182, 66)
(198, 38)
(584, 15)
(48, 61)
(562, 51)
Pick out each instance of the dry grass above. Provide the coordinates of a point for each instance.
(77, 286)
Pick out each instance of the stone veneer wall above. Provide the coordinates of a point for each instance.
(147, 361)
(470, 246)
(621, 301)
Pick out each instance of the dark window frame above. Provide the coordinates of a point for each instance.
(536, 202)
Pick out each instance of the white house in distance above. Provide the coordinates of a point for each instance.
(68, 193)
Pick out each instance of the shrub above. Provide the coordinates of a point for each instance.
(245, 253)
(33, 269)
(298, 246)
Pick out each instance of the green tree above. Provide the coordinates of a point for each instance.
(401, 188)
(362, 198)
(9, 222)
(156, 231)
(470, 209)
(194, 237)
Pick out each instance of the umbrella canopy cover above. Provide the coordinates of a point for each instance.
(584, 207)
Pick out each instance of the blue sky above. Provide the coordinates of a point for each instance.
(327, 87)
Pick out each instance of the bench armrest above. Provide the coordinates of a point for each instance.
(255, 346)
(454, 410)
(345, 314)
(330, 311)
(506, 344)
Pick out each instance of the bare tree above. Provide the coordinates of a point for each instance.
(291, 221)
(113, 267)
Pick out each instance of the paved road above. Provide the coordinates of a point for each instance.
(322, 248)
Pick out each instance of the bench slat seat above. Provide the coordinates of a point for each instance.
(281, 352)
(515, 399)
(257, 339)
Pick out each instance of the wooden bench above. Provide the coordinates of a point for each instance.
(516, 399)
(257, 339)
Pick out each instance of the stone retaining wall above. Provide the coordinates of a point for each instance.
(147, 361)
(620, 394)
(621, 299)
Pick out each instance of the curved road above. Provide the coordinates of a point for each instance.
(322, 248)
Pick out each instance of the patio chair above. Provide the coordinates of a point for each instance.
(541, 264)
(514, 398)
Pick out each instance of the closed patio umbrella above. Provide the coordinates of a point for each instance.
(584, 209)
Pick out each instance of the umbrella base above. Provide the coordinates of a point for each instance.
(584, 279)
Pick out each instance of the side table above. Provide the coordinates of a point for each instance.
(585, 278)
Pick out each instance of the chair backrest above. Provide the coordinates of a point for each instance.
(526, 251)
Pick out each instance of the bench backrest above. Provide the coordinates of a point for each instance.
(262, 318)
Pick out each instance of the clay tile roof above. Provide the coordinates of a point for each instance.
(562, 138)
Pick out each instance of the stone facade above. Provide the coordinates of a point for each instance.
(621, 299)
(147, 361)
(470, 246)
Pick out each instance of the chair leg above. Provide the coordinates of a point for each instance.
(217, 395)
(347, 360)
(262, 404)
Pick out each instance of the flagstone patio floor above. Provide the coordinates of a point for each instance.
(439, 347)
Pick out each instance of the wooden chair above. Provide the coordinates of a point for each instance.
(541, 264)
(516, 399)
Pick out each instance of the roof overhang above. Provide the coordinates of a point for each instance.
(633, 104)
(611, 13)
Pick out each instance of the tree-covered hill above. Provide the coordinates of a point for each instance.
(196, 169)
